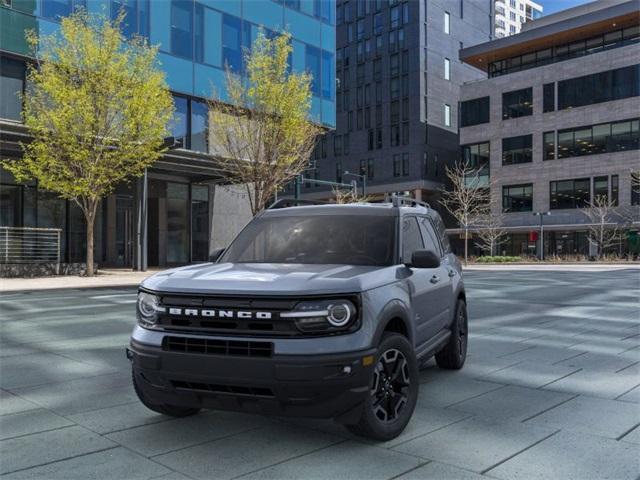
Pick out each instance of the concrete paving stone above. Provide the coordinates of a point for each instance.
(498, 348)
(633, 436)
(605, 345)
(450, 390)
(475, 366)
(573, 456)
(172, 476)
(612, 420)
(596, 384)
(120, 417)
(246, 452)
(511, 403)
(45, 447)
(158, 438)
(10, 403)
(542, 355)
(81, 395)
(551, 340)
(41, 368)
(349, 460)
(597, 361)
(10, 349)
(116, 463)
(440, 471)
(475, 444)
(631, 396)
(529, 374)
(33, 421)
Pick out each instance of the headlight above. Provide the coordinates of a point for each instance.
(148, 309)
(323, 316)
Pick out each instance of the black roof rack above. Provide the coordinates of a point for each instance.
(407, 201)
(292, 202)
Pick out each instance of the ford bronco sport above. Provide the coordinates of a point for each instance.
(319, 311)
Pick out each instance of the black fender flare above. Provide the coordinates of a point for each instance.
(394, 309)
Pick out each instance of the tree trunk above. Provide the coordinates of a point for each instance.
(90, 216)
(466, 245)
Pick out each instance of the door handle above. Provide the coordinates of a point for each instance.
(435, 279)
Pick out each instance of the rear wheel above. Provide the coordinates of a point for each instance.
(393, 391)
(169, 410)
(454, 353)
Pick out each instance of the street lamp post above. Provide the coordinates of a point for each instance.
(364, 181)
(541, 215)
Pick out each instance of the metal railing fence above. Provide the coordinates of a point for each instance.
(29, 245)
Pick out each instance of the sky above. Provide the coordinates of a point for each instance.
(553, 6)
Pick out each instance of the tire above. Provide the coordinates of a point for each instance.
(169, 410)
(454, 353)
(393, 391)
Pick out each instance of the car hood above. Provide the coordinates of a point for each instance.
(270, 278)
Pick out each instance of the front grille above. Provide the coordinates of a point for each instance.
(217, 347)
(228, 389)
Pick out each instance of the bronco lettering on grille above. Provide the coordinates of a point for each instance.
(193, 312)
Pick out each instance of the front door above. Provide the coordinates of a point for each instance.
(124, 231)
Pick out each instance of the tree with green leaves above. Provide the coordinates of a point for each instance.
(97, 107)
(261, 131)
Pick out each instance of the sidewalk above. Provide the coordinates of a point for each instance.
(105, 278)
(558, 267)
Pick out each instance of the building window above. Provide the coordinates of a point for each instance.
(328, 75)
(635, 188)
(517, 198)
(447, 69)
(179, 125)
(516, 150)
(549, 97)
(570, 193)
(378, 139)
(182, 28)
(231, 42)
(199, 126)
(12, 79)
(136, 20)
(599, 87)
(337, 145)
(447, 115)
(405, 164)
(345, 144)
(370, 169)
(474, 112)
(339, 172)
(549, 145)
(477, 156)
(312, 62)
(447, 23)
(56, 9)
(395, 135)
(601, 188)
(377, 24)
(615, 192)
(396, 166)
(370, 140)
(394, 16)
(517, 103)
(602, 138)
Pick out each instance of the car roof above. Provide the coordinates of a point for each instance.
(373, 209)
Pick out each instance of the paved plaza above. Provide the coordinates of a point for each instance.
(551, 389)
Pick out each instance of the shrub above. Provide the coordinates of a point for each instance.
(498, 259)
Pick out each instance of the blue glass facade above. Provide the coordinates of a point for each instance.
(198, 38)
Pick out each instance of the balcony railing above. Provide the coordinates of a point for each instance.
(30, 245)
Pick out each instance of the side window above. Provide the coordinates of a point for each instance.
(411, 238)
(442, 233)
(430, 240)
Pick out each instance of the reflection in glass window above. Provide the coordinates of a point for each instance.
(549, 97)
(12, 74)
(599, 87)
(327, 75)
(517, 198)
(177, 223)
(54, 9)
(518, 103)
(549, 145)
(179, 124)
(477, 156)
(231, 42)
(182, 28)
(516, 150)
(136, 20)
(199, 122)
(570, 193)
(199, 223)
(474, 112)
(601, 138)
(312, 58)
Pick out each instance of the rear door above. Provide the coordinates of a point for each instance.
(422, 289)
(442, 280)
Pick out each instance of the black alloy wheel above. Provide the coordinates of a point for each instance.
(390, 387)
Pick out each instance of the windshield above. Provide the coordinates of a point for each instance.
(318, 239)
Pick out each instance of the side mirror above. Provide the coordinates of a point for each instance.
(424, 259)
(215, 255)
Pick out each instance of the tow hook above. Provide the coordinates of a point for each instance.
(129, 354)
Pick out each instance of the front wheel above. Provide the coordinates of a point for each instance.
(393, 391)
(169, 410)
(454, 353)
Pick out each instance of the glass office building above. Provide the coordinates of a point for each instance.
(197, 39)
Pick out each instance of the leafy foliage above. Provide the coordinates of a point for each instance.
(261, 130)
(98, 109)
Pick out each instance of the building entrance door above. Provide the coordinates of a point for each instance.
(124, 231)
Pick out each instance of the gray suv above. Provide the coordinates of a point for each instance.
(318, 311)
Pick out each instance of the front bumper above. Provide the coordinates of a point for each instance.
(318, 385)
